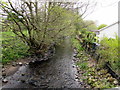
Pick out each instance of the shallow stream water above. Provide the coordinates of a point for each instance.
(57, 72)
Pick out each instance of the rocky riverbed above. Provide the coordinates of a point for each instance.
(57, 72)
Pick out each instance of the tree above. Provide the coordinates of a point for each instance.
(39, 24)
(101, 26)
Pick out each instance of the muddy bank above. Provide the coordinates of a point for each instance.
(57, 72)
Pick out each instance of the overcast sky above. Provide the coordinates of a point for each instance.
(106, 12)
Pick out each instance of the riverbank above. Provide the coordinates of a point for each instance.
(91, 75)
(89, 71)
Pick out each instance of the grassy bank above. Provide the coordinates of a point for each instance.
(89, 71)
(12, 47)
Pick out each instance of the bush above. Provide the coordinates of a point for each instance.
(109, 53)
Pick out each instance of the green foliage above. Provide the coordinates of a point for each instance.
(101, 26)
(13, 16)
(109, 53)
(44, 24)
(85, 24)
(83, 31)
(12, 47)
(91, 76)
(87, 39)
(90, 25)
(76, 44)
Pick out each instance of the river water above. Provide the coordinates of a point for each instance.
(57, 72)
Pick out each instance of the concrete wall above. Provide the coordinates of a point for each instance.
(109, 31)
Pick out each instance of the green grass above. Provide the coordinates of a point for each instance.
(9, 34)
(83, 65)
(12, 47)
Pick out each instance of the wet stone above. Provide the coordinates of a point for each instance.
(20, 63)
(27, 63)
(3, 69)
(5, 81)
(23, 81)
(42, 77)
(3, 74)
(74, 59)
(73, 66)
(22, 74)
(43, 84)
(115, 82)
(74, 55)
(76, 52)
(2, 66)
(76, 78)
(32, 82)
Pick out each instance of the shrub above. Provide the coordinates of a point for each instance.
(109, 53)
